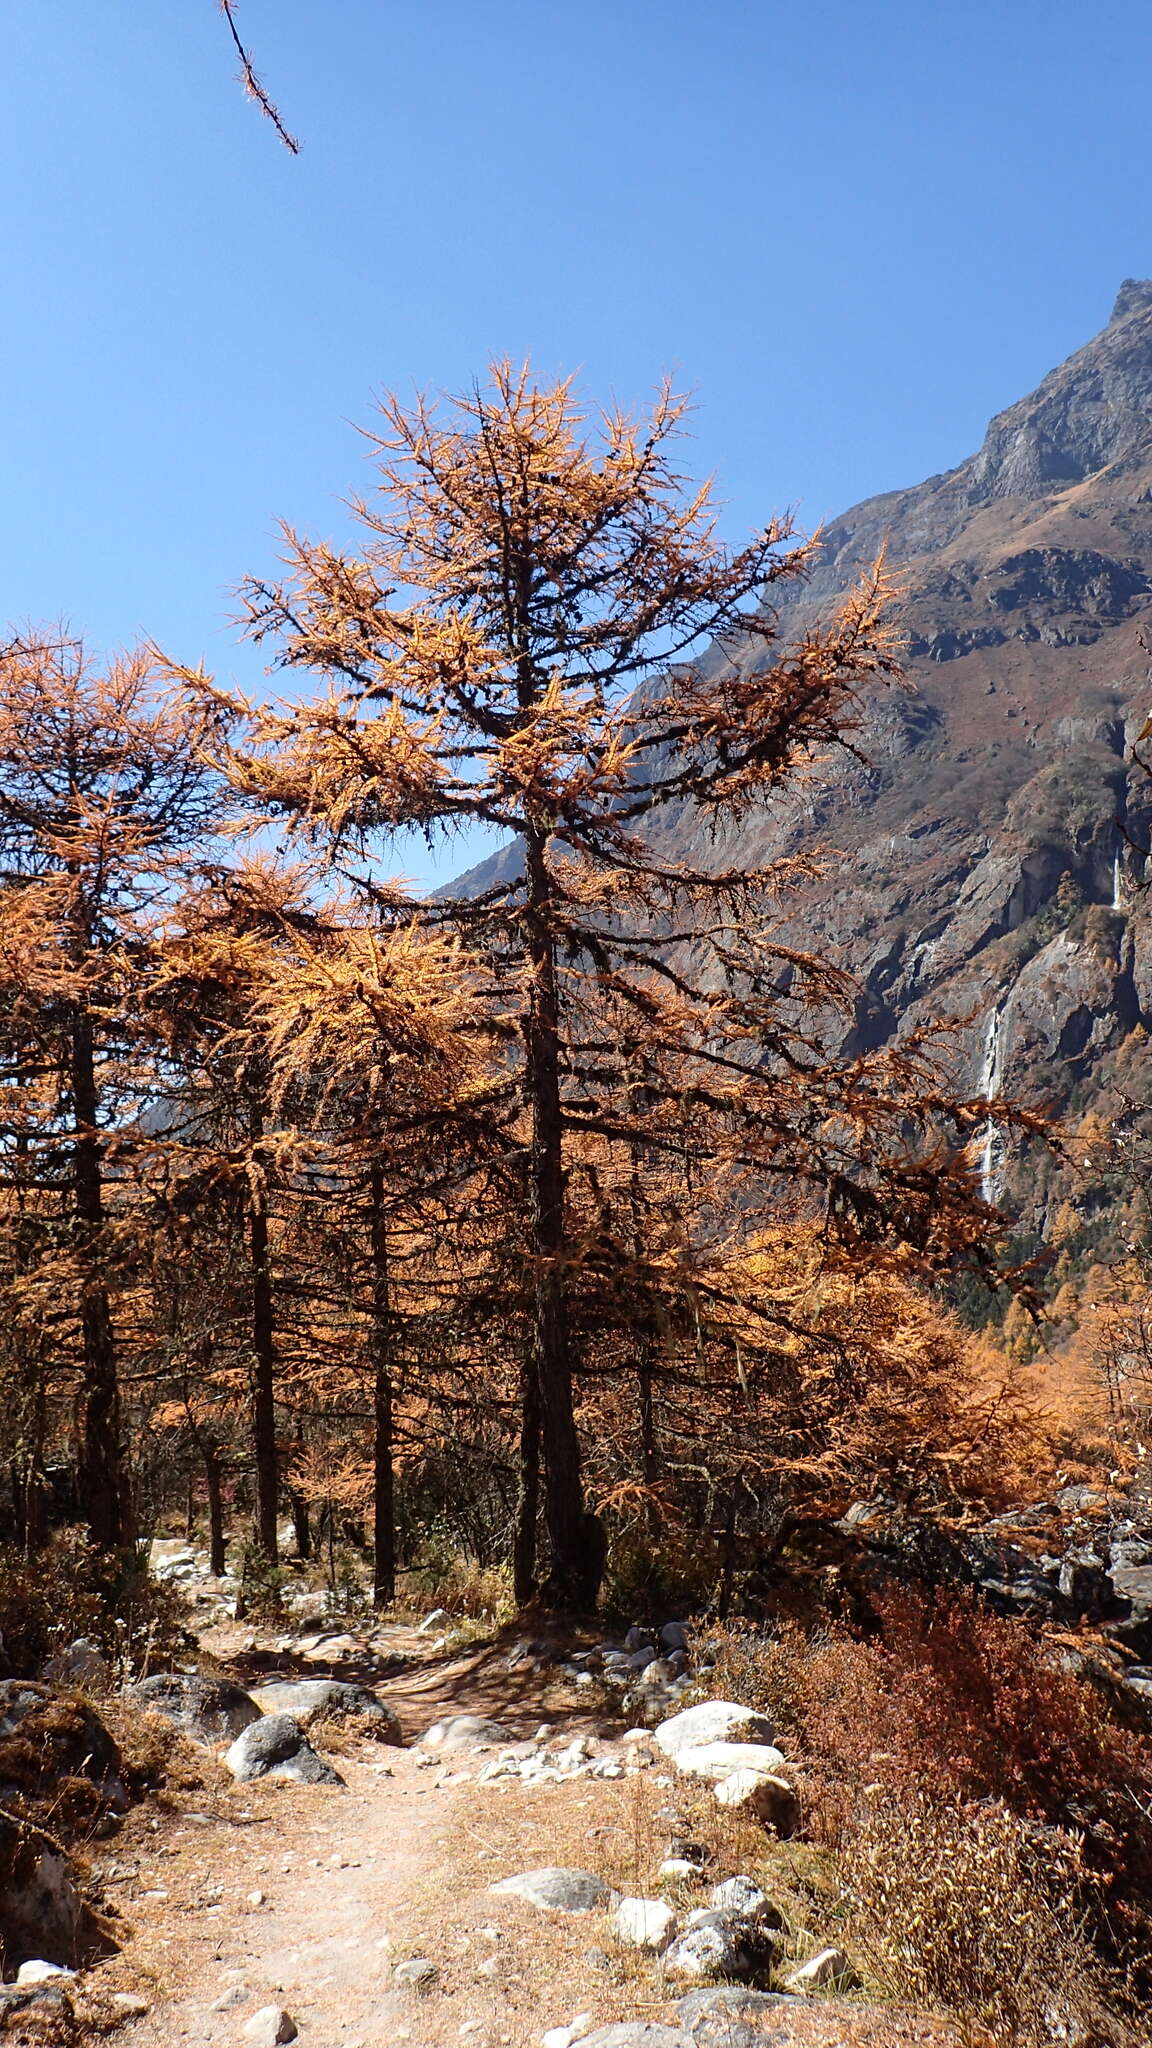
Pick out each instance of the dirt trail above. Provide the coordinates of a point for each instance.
(398, 1865)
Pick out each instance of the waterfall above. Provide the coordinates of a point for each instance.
(1117, 899)
(990, 1080)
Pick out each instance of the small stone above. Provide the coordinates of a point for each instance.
(236, 1994)
(269, 2027)
(417, 1973)
(38, 1972)
(831, 1967)
(130, 2004)
(678, 1870)
(255, 1898)
(465, 1731)
(638, 1639)
(674, 1636)
(741, 1896)
(644, 1923)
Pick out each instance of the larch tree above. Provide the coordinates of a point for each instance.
(104, 795)
(328, 1062)
(539, 631)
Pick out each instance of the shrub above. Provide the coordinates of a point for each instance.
(981, 1912)
(71, 1589)
(947, 1706)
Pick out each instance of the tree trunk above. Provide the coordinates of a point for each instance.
(383, 1485)
(528, 1501)
(301, 1525)
(263, 1354)
(103, 1486)
(649, 1444)
(569, 1581)
(217, 1560)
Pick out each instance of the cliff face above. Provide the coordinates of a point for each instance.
(989, 865)
(987, 851)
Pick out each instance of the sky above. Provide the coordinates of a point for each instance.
(852, 232)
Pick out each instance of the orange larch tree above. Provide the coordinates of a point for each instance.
(539, 631)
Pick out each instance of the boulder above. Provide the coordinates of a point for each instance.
(210, 1710)
(316, 1700)
(555, 1889)
(763, 1796)
(721, 1947)
(674, 1636)
(81, 1667)
(277, 1747)
(733, 2017)
(466, 1731)
(44, 1738)
(712, 1721)
(718, 1760)
(643, 1923)
(43, 1915)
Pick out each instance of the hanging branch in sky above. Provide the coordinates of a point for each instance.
(252, 85)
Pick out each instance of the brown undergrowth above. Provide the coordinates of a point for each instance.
(986, 1825)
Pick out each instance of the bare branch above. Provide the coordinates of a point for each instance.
(252, 85)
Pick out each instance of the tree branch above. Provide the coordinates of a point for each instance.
(252, 85)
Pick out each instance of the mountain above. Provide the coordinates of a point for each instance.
(988, 849)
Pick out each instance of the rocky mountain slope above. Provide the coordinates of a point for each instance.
(990, 848)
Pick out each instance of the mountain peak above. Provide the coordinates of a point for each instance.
(1134, 296)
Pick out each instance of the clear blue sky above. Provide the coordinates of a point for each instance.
(855, 231)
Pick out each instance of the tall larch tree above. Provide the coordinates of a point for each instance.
(541, 632)
(104, 797)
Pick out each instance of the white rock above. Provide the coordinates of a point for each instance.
(38, 1972)
(717, 1760)
(712, 1721)
(418, 1972)
(763, 1795)
(255, 1898)
(130, 2004)
(742, 1896)
(431, 1621)
(644, 1923)
(557, 2037)
(464, 1731)
(675, 1869)
(831, 1966)
(236, 1994)
(555, 1889)
(269, 2027)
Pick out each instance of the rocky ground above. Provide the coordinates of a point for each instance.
(393, 1837)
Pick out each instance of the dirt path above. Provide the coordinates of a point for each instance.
(306, 1897)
